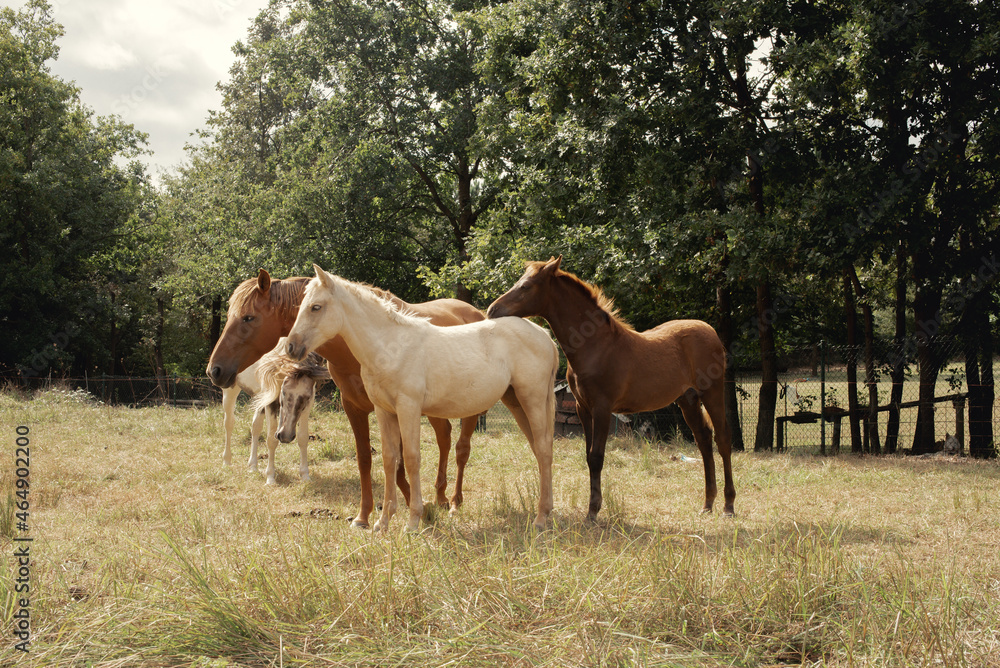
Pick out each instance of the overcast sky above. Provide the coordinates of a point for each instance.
(154, 63)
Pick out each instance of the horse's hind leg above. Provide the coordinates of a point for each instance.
(690, 406)
(596, 425)
(538, 409)
(715, 405)
(463, 448)
(442, 433)
(358, 419)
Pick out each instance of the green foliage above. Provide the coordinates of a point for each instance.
(66, 205)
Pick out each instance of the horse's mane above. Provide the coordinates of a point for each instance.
(284, 294)
(399, 310)
(589, 291)
(274, 367)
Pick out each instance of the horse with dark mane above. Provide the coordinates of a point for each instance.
(613, 368)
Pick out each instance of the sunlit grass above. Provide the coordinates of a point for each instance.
(148, 552)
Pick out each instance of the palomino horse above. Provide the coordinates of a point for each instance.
(613, 368)
(246, 381)
(287, 390)
(410, 367)
(262, 310)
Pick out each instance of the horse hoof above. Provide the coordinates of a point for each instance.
(360, 526)
(305, 477)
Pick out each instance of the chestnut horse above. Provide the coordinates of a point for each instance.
(410, 367)
(613, 368)
(262, 310)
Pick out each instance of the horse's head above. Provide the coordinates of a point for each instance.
(296, 391)
(320, 316)
(530, 295)
(252, 329)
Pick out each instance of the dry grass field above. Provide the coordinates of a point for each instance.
(147, 552)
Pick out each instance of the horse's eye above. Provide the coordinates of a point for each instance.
(316, 307)
(248, 318)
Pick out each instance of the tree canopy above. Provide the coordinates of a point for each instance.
(737, 162)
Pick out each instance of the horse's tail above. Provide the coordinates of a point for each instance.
(708, 418)
(550, 405)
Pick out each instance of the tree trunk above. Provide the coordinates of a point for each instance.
(978, 340)
(768, 398)
(926, 311)
(871, 435)
(897, 374)
(215, 328)
(726, 336)
(161, 372)
(851, 361)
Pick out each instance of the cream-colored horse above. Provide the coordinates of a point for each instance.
(411, 367)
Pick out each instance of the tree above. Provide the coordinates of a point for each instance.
(64, 200)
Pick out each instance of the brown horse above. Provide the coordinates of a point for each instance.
(262, 310)
(613, 368)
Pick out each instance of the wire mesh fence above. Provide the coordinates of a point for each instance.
(818, 380)
(813, 410)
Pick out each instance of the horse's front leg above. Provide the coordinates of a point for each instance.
(272, 443)
(388, 426)
(229, 395)
(463, 448)
(303, 439)
(596, 423)
(255, 429)
(442, 433)
(408, 419)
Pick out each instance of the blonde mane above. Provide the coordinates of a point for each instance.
(284, 294)
(590, 291)
(274, 367)
(395, 307)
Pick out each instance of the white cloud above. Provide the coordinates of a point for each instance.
(108, 56)
(155, 64)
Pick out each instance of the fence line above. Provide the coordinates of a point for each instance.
(812, 382)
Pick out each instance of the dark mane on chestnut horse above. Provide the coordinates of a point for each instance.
(613, 368)
(601, 300)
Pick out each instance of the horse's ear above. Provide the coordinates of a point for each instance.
(263, 281)
(324, 278)
(553, 264)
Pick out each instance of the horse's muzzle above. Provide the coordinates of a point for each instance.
(219, 377)
(295, 351)
(495, 311)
